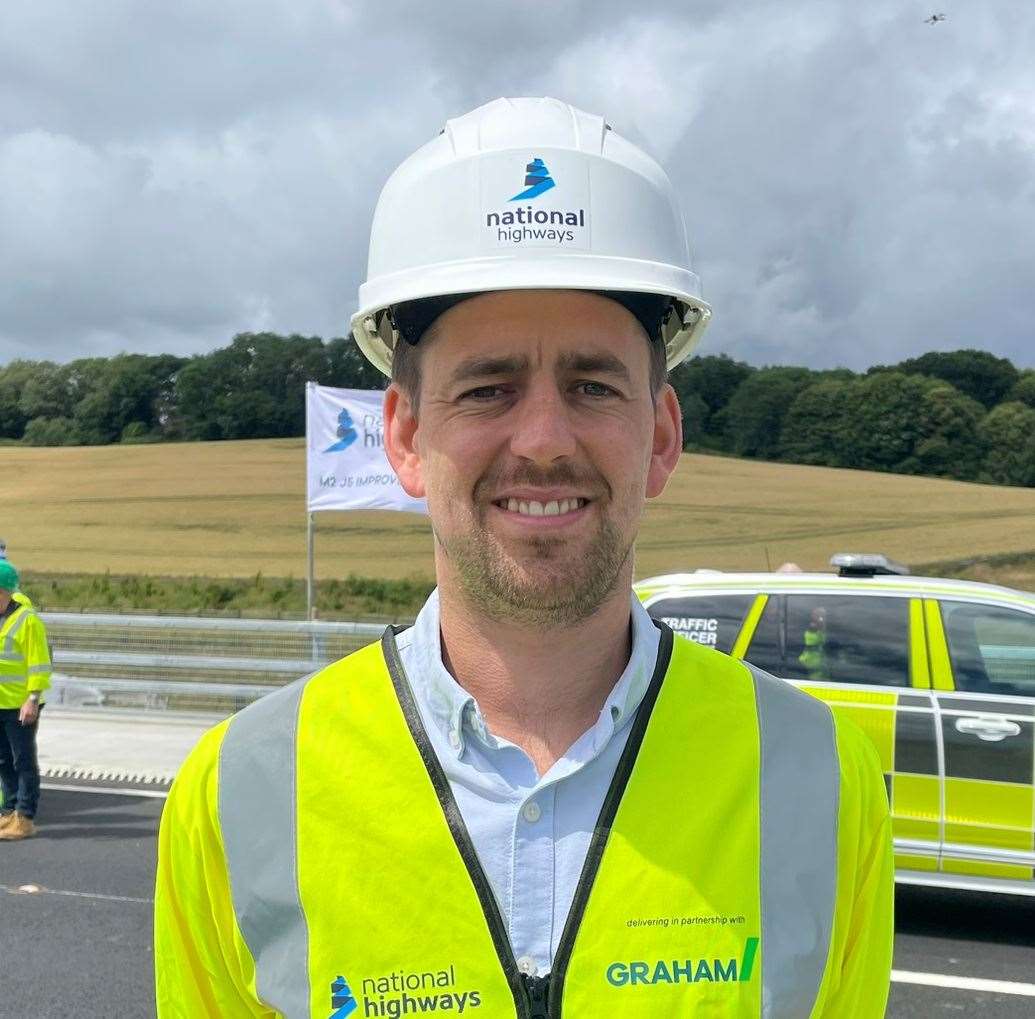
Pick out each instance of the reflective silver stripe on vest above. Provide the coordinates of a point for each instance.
(799, 796)
(259, 820)
(19, 622)
(6, 677)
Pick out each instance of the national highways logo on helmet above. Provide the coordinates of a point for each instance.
(558, 221)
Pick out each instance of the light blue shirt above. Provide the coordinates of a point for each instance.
(531, 833)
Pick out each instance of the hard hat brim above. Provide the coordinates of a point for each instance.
(376, 336)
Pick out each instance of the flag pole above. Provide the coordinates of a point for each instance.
(310, 583)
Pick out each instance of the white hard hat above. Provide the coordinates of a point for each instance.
(527, 194)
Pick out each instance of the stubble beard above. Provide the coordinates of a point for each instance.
(548, 588)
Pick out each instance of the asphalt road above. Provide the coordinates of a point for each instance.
(81, 946)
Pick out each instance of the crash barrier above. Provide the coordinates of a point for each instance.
(184, 663)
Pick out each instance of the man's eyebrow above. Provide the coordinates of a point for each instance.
(486, 367)
(596, 364)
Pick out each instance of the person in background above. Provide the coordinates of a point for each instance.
(19, 596)
(24, 677)
(813, 658)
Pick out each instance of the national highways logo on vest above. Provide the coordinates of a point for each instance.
(685, 971)
(403, 993)
(548, 210)
(342, 1001)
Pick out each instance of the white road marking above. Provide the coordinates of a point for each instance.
(39, 890)
(155, 794)
(902, 976)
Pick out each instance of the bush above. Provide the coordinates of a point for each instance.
(136, 432)
(45, 431)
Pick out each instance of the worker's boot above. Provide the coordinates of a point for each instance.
(21, 827)
(6, 819)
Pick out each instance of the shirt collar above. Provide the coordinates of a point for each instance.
(456, 713)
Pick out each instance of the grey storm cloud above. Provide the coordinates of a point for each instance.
(858, 186)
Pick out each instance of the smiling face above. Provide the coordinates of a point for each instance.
(536, 442)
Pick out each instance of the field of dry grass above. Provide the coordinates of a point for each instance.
(232, 509)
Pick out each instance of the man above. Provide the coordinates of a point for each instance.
(534, 802)
(24, 676)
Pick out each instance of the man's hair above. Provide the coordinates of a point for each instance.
(406, 369)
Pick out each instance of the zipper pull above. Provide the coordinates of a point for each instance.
(538, 991)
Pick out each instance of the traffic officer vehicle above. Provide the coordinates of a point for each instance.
(939, 673)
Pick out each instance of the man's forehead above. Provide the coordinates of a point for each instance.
(554, 330)
(509, 359)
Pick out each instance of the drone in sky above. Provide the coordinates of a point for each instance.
(934, 19)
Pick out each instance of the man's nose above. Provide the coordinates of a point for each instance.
(542, 427)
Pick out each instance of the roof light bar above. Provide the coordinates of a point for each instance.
(866, 564)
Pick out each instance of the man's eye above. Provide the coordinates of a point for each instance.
(482, 393)
(594, 389)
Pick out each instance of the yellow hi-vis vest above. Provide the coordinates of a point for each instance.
(24, 657)
(313, 863)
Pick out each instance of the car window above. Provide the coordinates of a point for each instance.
(713, 620)
(834, 639)
(992, 649)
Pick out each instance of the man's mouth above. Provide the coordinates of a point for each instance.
(532, 508)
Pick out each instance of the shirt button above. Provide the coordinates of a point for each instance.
(531, 812)
(526, 964)
(454, 739)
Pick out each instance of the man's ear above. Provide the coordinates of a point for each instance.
(401, 441)
(668, 441)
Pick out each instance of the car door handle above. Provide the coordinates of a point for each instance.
(991, 730)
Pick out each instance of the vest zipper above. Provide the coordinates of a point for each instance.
(602, 831)
(532, 995)
(538, 991)
(457, 827)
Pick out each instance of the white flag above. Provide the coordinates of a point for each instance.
(346, 464)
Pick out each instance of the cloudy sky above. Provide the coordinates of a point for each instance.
(858, 185)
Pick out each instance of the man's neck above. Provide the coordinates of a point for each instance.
(541, 690)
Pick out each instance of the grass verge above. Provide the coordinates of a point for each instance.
(352, 597)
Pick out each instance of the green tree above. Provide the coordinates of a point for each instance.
(950, 443)
(1024, 389)
(14, 377)
(348, 368)
(977, 373)
(255, 388)
(694, 412)
(713, 380)
(1008, 432)
(45, 393)
(753, 418)
(117, 391)
(43, 431)
(814, 428)
(883, 428)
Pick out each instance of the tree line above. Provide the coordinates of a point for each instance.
(962, 414)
